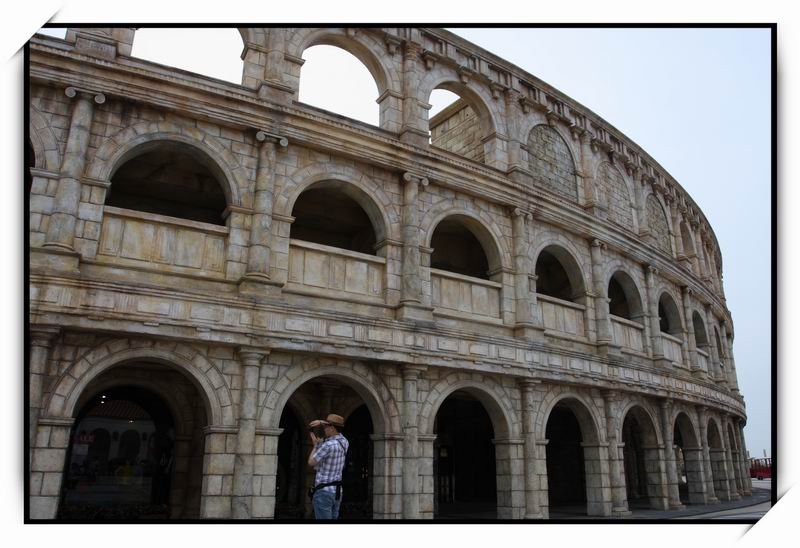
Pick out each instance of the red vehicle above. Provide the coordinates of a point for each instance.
(760, 468)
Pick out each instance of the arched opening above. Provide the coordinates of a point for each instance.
(335, 80)
(689, 461)
(699, 327)
(214, 52)
(566, 467)
(551, 162)
(558, 275)
(316, 399)
(457, 123)
(688, 241)
(169, 178)
(642, 461)
(121, 458)
(719, 477)
(624, 299)
(669, 319)
(464, 469)
(334, 214)
(457, 248)
(720, 352)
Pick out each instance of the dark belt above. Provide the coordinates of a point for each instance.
(337, 484)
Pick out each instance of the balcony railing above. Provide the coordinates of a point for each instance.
(325, 271)
(627, 333)
(562, 316)
(133, 238)
(455, 293)
(673, 347)
(702, 359)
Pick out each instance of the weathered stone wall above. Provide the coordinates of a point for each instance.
(457, 129)
(551, 162)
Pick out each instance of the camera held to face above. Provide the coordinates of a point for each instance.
(318, 431)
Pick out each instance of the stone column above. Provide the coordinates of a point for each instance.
(411, 476)
(702, 417)
(669, 454)
(728, 346)
(713, 353)
(530, 403)
(61, 230)
(689, 339)
(242, 501)
(509, 477)
(591, 201)
(41, 338)
(619, 495)
(48, 456)
(265, 472)
(517, 170)
(527, 323)
(655, 326)
(411, 300)
(413, 130)
(701, 252)
(257, 278)
(425, 449)
(218, 466)
(733, 487)
(598, 483)
(387, 483)
(747, 481)
(604, 339)
(693, 461)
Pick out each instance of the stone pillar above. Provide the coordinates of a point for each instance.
(689, 339)
(517, 169)
(713, 370)
(411, 476)
(242, 501)
(598, 481)
(61, 230)
(591, 199)
(655, 326)
(701, 253)
(265, 472)
(387, 481)
(669, 454)
(425, 449)
(218, 466)
(530, 403)
(719, 471)
(527, 323)
(728, 346)
(48, 456)
(41, 340)
(413, 130)
(702, 417)
(257, 278)
(509, 469)
(747, 481)
(733, 486)
(411, 300)
(541, 471)
(657, 485)
(619, 495)
(693, 461)
(604, 339)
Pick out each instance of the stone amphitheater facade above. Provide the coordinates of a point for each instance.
(572, 319)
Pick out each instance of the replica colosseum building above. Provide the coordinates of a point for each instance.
(518, 311)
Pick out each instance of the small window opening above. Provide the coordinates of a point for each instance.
(551, 278)
(456, 249)
(455, 126)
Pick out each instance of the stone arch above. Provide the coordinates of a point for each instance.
(363, 46)
(547, 145)
(475, 96)
(69, 386)
(615, 192)
(630, 287)
(684, 421)
(568, 258)
(175, 400)
(658, 222)
(714, 427)
(43, 141)
(701, 331)
(129, 142)
(378, 206)
(480, 223)
(643, 465)
(668, 301)
(486, 390)
(370, 387)
(644, 409)
(587, 413)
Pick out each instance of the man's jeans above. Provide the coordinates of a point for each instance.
(325, 505)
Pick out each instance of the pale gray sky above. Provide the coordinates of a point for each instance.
(697, 100)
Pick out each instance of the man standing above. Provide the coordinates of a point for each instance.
(327, 458)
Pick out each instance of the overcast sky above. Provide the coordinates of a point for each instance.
(697, 100)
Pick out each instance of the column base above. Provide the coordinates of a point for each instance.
(415, 311)
(414, 136)
(699, 373)
(258, 286)
(607, 348)
(55, 258)
(661, 361)
(676, 506)
(620, 512)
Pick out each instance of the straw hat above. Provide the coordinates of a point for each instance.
(334, 420)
